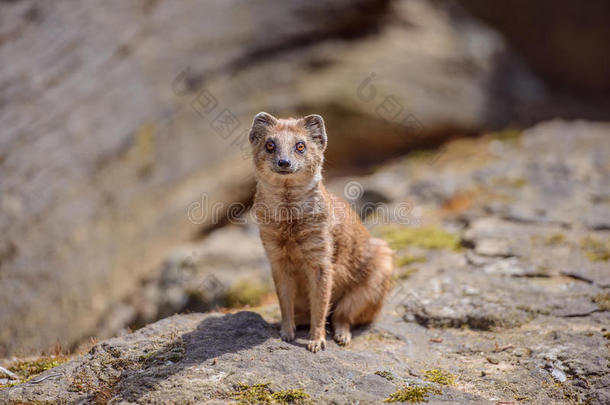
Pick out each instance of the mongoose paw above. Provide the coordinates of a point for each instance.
(287, 336)
(316, 345)
(343, 337)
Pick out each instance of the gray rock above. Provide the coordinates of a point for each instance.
(201, 358)
(531, 327)
(202, 276)
(112, 139)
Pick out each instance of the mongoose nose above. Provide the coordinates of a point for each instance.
(283, 163)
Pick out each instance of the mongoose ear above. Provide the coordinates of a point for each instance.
(262, 122)
(314, 124)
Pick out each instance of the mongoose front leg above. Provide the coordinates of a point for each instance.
(320, 289)
(286, 290)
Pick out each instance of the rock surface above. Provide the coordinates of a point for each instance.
(118, 119)
(502, 293)
(562, 40)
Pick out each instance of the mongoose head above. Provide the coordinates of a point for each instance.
(288, 149)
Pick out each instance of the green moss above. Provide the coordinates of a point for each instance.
(405, 273)
(607, 335)
(603, 301)
(507, 135)
(405, 260)
(401, 237)
(413, 394)
(262, 394)
(421, 155)
(253, 394)
(595, 249)
(246, 293)
(555, 239)
(439, 376)
(144, 148)
(27, 369)
(385, 374)
(519, 182)
(294, 396)
(146, 356)
(196, 295)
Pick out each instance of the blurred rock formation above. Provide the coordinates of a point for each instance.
(123, 126)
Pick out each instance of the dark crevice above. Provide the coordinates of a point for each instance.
(582, 314)
(532, 275)
(467, 244)
(577, 277)
(535, 221)
(344, 22)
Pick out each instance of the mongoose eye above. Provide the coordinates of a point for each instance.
(270, 146)
(300, 147)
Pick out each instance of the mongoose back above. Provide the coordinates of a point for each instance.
(323, 259)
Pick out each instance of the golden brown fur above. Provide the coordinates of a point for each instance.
(322, 258)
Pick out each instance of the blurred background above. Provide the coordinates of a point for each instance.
(122, 123)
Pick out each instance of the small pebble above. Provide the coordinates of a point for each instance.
(559, 375)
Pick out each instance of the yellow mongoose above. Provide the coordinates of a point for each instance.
(323, 259)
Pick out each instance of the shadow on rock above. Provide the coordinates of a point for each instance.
(213, 337)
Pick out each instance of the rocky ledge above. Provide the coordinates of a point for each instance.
(502, 294)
